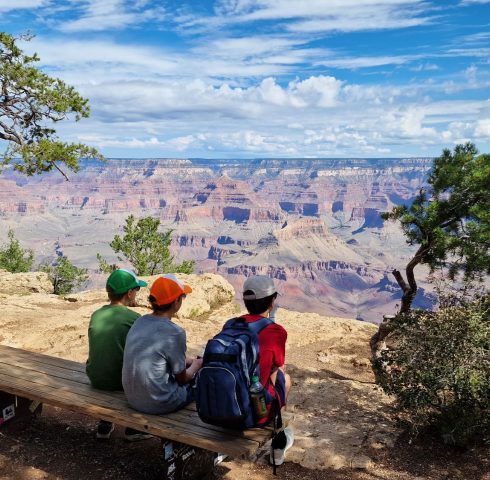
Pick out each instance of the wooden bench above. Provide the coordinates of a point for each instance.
(63, 383)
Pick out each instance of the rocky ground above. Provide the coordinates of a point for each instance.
(344, 424)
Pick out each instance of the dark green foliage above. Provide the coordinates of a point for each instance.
(438, 368)
(450, 220)
(31, 103)
(64, 276)
(13, 257)
(145, 248)
(105, 266)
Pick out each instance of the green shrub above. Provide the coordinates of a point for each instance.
(145, 248)
(13, 257)
(438, 368)
(64, 276)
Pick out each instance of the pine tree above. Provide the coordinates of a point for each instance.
(64, 276)
(145, 248)
(31, 102)
(13, 257)
(449, 220)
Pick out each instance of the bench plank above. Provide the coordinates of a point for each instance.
(58, 367)
(63, 383)
(113, 400)
(40, 373)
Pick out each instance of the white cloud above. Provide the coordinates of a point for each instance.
(364, 62)
(471, 75)
(348, 23)
(318, 91)
(471, 2)
(410, 124)
(99, 15)
(102, 141)
(317, 116)
(319, 15)
(91, 59)
(181, 144)
(230, 96)
(469, 52)
(425, 67)
(75, 55)
(476, 38)
(249, 46)
(8, 5)
(482, 128)
(252, 141)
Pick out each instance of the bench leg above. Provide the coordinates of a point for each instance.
(183, 462)
(13, 407)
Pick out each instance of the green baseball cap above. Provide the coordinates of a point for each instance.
(122, 280)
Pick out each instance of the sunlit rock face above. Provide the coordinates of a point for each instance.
(312, 224)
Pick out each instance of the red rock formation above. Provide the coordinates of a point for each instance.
(312, 224)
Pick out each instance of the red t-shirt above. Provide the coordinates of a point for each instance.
(272, 348)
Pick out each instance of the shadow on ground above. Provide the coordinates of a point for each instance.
(60, 445)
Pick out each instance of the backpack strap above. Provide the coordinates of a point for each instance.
(259, 325)
(256, 326)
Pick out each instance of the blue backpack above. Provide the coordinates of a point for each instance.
(230, 360)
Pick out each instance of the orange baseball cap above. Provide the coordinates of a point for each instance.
(167, 288)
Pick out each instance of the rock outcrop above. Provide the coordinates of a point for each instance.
(24, 283)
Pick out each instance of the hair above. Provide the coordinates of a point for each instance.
(260, 305)
(114, 297)
(159, 308)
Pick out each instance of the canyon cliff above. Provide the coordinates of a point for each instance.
(312, 224)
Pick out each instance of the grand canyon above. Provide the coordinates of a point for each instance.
(312, 224)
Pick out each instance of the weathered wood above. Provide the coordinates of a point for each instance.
(7, 352)
(46, 374)
(63, 383)
(66, 387)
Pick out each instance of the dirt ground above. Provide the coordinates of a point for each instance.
(58, 445)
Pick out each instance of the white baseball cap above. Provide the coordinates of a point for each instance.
(261, 286)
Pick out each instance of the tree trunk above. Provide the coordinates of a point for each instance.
(410, 289)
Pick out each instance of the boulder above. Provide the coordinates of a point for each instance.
(24, 283)
(209, 292)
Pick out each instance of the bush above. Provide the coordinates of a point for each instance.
(13, 258)
(65, 276)
(438, 368)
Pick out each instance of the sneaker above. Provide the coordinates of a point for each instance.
(131, 435)
(104, 430)
(281, 443)
(219, 458)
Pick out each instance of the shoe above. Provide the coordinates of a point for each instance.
(131, 435)
(219, 458)
(104, 430)
(281, 443)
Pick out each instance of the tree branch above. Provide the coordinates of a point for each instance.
(61, 171)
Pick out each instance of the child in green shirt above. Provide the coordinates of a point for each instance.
(107, 333)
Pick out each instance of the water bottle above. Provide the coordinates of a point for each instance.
(257, 396)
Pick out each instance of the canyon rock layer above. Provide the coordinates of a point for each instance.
(313, 225)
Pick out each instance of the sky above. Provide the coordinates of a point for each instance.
(267, 78)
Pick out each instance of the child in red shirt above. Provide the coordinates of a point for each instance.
(260, 298)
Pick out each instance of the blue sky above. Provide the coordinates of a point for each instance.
(267, 78)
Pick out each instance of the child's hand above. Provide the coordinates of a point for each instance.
(197, 362)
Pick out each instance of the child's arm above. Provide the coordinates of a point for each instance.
(188, 374)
